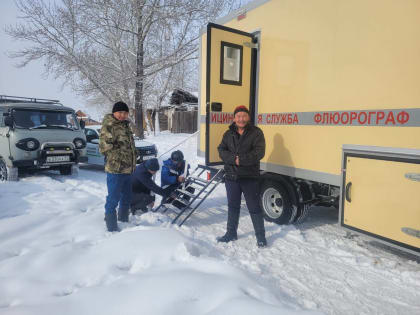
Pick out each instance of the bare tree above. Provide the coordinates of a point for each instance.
(112, 49)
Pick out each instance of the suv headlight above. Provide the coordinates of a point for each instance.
(79, 143)
(155, 147)
(28, 144)
(31, 144)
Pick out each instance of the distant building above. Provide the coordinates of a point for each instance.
(178, 114)
(182, 112)
(88, 121)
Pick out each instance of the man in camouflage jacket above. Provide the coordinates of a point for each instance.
(116, 143)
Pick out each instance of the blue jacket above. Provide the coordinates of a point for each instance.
(170, 172)
(142, 182)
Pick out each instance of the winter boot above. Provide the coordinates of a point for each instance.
(261, 241)
(111, 222)
(228, 237)
(232, 227)
(123, 215)
(258, 223)
(133, 211)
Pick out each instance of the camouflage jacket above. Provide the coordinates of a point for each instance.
(116, 142)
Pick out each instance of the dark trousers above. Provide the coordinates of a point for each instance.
(140, 201)
(119, 192)
(250, 189)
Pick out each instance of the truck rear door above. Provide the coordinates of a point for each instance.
(230, 81)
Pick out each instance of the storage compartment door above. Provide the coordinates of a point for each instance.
(381, 198)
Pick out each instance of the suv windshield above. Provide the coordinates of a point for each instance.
(34, 119)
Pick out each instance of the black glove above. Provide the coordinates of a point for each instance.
(167, 192)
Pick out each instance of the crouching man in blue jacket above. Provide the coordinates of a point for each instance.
(173, 174)
(143, 184)
(173, 170)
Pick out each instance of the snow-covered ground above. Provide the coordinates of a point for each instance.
(57, 258)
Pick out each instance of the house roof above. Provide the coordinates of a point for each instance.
(86, 118)
(180, 96)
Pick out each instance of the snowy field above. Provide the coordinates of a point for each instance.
(57, 258)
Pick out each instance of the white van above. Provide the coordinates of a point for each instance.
(38, 134)
(145, 150)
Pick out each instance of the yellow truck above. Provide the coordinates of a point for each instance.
(335, 87)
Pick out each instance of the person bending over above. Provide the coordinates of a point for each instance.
(143, 186)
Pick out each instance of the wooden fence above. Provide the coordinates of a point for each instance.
(184, 121)
(163, 120)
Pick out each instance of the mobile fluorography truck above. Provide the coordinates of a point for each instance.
(334, 85)
(38, 134)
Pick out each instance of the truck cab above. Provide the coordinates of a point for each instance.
(37, 134)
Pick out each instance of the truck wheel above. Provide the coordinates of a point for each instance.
(3, 171)
(275, 202)
(303, 208)
(6, 173)
(302, 213)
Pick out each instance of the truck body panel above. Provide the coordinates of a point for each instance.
(329, 74)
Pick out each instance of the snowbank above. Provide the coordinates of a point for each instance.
(57, 258)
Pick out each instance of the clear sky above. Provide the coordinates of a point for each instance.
(28, 81)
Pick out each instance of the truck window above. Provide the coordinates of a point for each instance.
(25, 118)
(231, 64)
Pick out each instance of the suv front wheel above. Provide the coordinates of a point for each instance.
(7, 174)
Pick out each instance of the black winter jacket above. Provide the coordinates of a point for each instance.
(250, 147)
(142, 182)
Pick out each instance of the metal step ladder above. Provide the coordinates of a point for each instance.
(204, 180)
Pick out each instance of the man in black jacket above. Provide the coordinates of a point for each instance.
(142, 185)
(241, 149)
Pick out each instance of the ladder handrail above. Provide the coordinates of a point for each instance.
(207, 187)
(200, 202)
(164, 199)
(195, 198)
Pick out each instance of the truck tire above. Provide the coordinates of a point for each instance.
(7, 173)
(303, 208)
(276, 202)
(3, 171)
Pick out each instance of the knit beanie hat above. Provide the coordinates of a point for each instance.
(120, 107)
(240, 108)
(177, 156)
(152, 164)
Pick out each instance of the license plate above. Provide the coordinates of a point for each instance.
(59, 158)
(148, 157)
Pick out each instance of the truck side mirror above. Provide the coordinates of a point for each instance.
(82, 124)
(8, 121)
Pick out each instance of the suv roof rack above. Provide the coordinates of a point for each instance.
(19, 99)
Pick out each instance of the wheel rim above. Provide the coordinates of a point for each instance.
(272, 203)
(3, 172)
